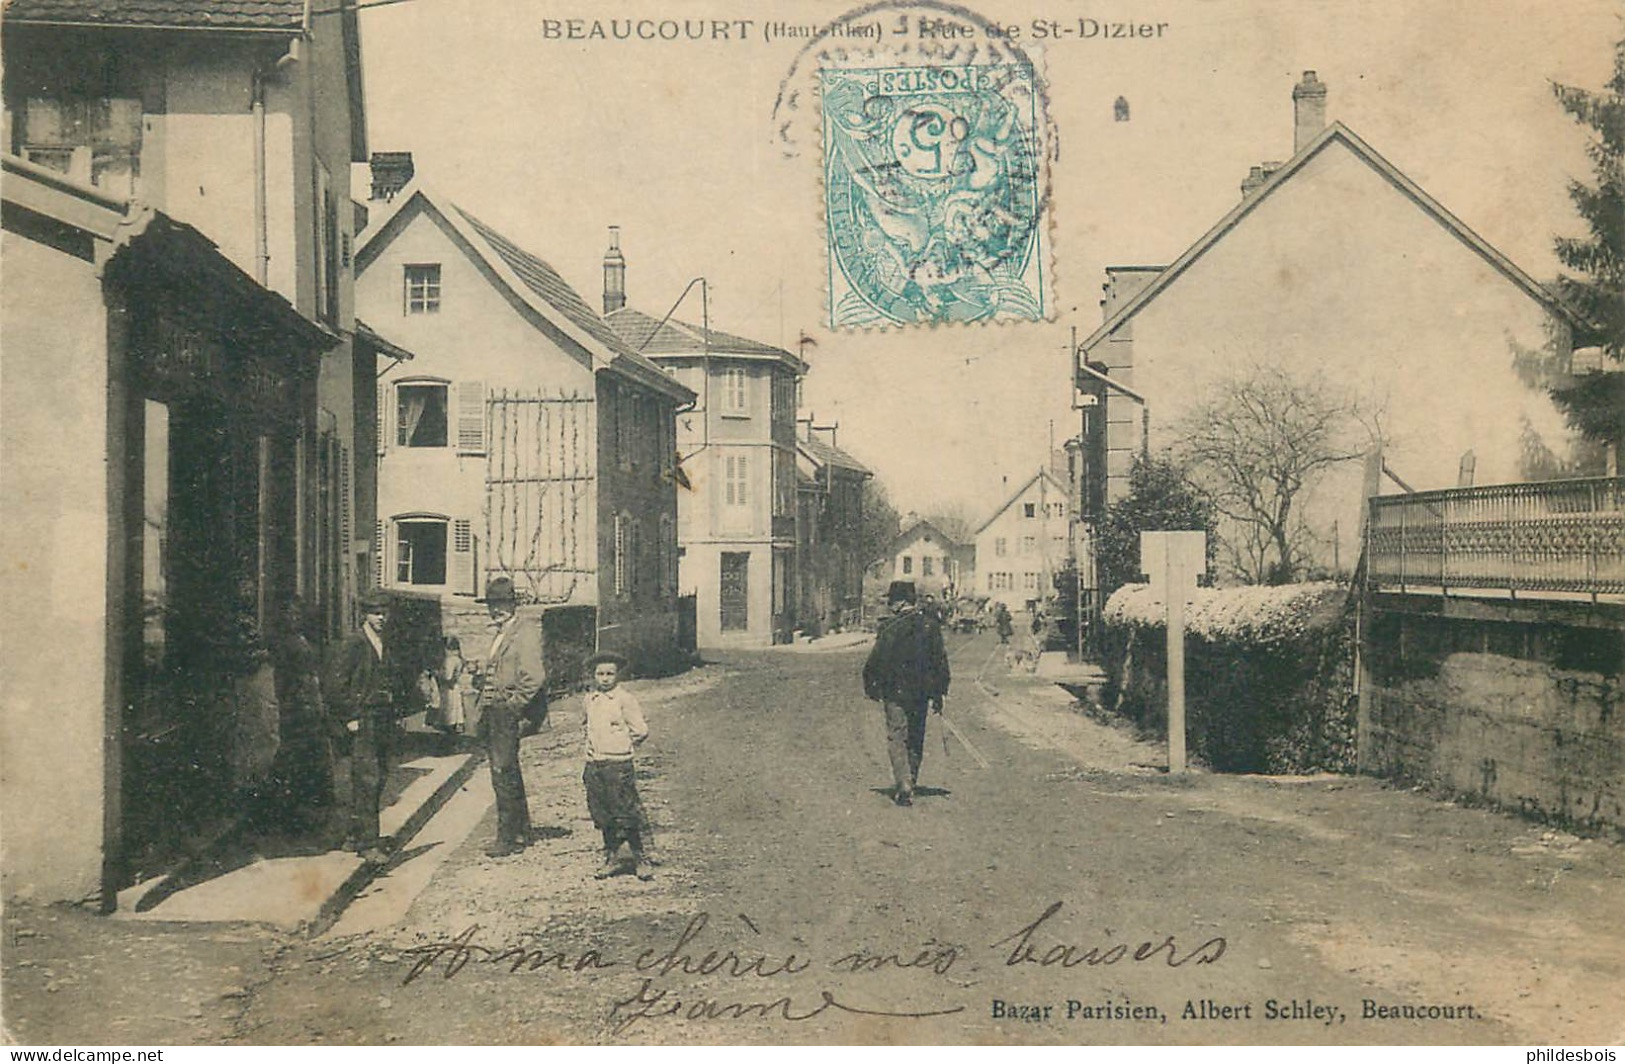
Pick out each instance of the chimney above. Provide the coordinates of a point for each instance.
(1308, 110)
(614, 273)
(391, 171)
(1257, 176)
(1123, 283)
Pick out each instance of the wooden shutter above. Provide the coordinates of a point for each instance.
(378, 555)
(461, 572)
(383, 416)
(470, 415)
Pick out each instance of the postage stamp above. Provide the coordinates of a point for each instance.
(933, 197)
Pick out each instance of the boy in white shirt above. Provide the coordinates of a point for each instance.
(614, 726)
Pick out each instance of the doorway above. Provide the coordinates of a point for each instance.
(735, 597)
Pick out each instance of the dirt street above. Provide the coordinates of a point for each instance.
(1068, 892)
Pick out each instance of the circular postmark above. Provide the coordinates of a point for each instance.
(935, 140)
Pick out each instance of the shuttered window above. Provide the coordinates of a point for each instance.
(461, 579)
(736, 477)
(471, 417)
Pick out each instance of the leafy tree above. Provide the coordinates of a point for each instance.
(953, 520)
(1161, 498)
(1595, 401)
(1259, 444)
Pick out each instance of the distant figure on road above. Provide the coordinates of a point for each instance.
(615, 725)
(512, 705)
(907, 672)
(1002, 621)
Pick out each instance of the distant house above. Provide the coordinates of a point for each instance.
(179, 404)
(929, 558)
(525, 438)
(829, 527)
(1025, 542)
(1338, 264)
(737, 514)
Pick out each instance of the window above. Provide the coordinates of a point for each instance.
(668, 555)
(999, 547)
(927, 564)
(420, 551)
(94, 140)
(1029, 509)
(420, 415)
(735, 396)
(735, 478)
(626, 546)
(327, 247)
(784, 484)
(1000, 581)
(908, 565)
(423, 288)
(1029, 544)
(1031, 581)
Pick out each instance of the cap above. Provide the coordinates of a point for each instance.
(373, 600)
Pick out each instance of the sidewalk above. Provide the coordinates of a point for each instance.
(250, 878)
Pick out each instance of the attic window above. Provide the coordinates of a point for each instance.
(423, 288)
(1029, 509)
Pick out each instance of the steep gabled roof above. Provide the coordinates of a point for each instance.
(286, 16)
(911, 532)
(1043, 474)
(825, 454)
(1336, 133)
(530, 279)
(678, 338)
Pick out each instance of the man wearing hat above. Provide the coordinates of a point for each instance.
(906, 671)
(512, 706)
(360, 688)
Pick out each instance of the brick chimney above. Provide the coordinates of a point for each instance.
(614, 273)
(1308, 110)
(391, 171)
(1257, 176)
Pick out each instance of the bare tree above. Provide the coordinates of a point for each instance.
(1259, 444)
(953, 519)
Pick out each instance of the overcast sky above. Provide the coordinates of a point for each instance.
(552, 141)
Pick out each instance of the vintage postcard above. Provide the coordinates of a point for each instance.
(690, 522)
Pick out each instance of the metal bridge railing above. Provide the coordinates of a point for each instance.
(1558, 535)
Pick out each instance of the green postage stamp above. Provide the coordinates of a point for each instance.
(934, 194)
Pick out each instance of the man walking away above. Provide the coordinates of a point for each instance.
(907, 671)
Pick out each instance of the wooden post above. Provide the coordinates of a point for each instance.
(1174, 560)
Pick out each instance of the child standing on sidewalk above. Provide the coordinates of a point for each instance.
(615, 724)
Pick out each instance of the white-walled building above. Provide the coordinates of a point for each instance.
(1026, 541)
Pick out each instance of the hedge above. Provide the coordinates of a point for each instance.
(1268, 674)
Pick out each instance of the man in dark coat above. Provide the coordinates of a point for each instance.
(907, 672)
(512, 705)
(360, 689)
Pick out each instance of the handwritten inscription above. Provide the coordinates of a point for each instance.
(656, 965)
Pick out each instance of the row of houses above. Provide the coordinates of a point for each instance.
(1012, 557)
(236, 396)
(1335, 265)
(612, 460)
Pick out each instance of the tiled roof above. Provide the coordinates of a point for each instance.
(186, 14)
(825, 454)
(680, 338)
(555, 291)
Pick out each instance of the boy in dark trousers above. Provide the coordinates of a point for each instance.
(614, 726)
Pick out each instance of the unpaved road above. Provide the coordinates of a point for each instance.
(1069, 892)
